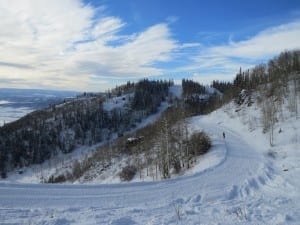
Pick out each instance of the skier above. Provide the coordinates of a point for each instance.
(224, 135)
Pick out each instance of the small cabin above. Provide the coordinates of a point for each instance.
(132, 141)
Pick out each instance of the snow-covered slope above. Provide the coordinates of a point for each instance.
(245, 182)
(38, 173)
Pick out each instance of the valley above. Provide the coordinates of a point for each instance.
(16, 103)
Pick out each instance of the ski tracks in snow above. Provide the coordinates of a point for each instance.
(242, 188)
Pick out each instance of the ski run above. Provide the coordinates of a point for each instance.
(242, 180)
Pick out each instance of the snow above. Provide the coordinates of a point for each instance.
(242, 180)
(3, 102)
(36, 174)
(116, 102)
(10, 114)
(63, 162)
(176, 91)
(206, 162)
(212, 90)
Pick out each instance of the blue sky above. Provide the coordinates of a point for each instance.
(194, 19)
(95, 45)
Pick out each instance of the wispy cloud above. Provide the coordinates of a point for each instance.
(63, 41)
(172, 19)
(265, 44)
(67, 44)
(15, 65)
(223, 61)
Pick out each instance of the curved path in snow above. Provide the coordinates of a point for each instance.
(239, 174)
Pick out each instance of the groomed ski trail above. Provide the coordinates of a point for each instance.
(223, 189)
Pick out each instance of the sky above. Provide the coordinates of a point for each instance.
(94, 45)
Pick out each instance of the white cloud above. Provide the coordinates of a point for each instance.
(172, 19)
(265, 44)
(66, 44)
(69, 45)
(223, 62)
(190, 45)
(206, 78)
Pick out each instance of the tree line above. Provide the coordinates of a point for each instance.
(158, 150)
(277, 82)
(83, 121)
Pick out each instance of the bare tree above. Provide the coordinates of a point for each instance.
(164, 148)
(269, 117)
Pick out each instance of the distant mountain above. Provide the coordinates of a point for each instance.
(32, 98)
(15, 103)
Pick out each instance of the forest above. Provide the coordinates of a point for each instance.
(83, 121)
(275, 83)
(162, 148)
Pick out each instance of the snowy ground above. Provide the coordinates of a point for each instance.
(244, 181)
